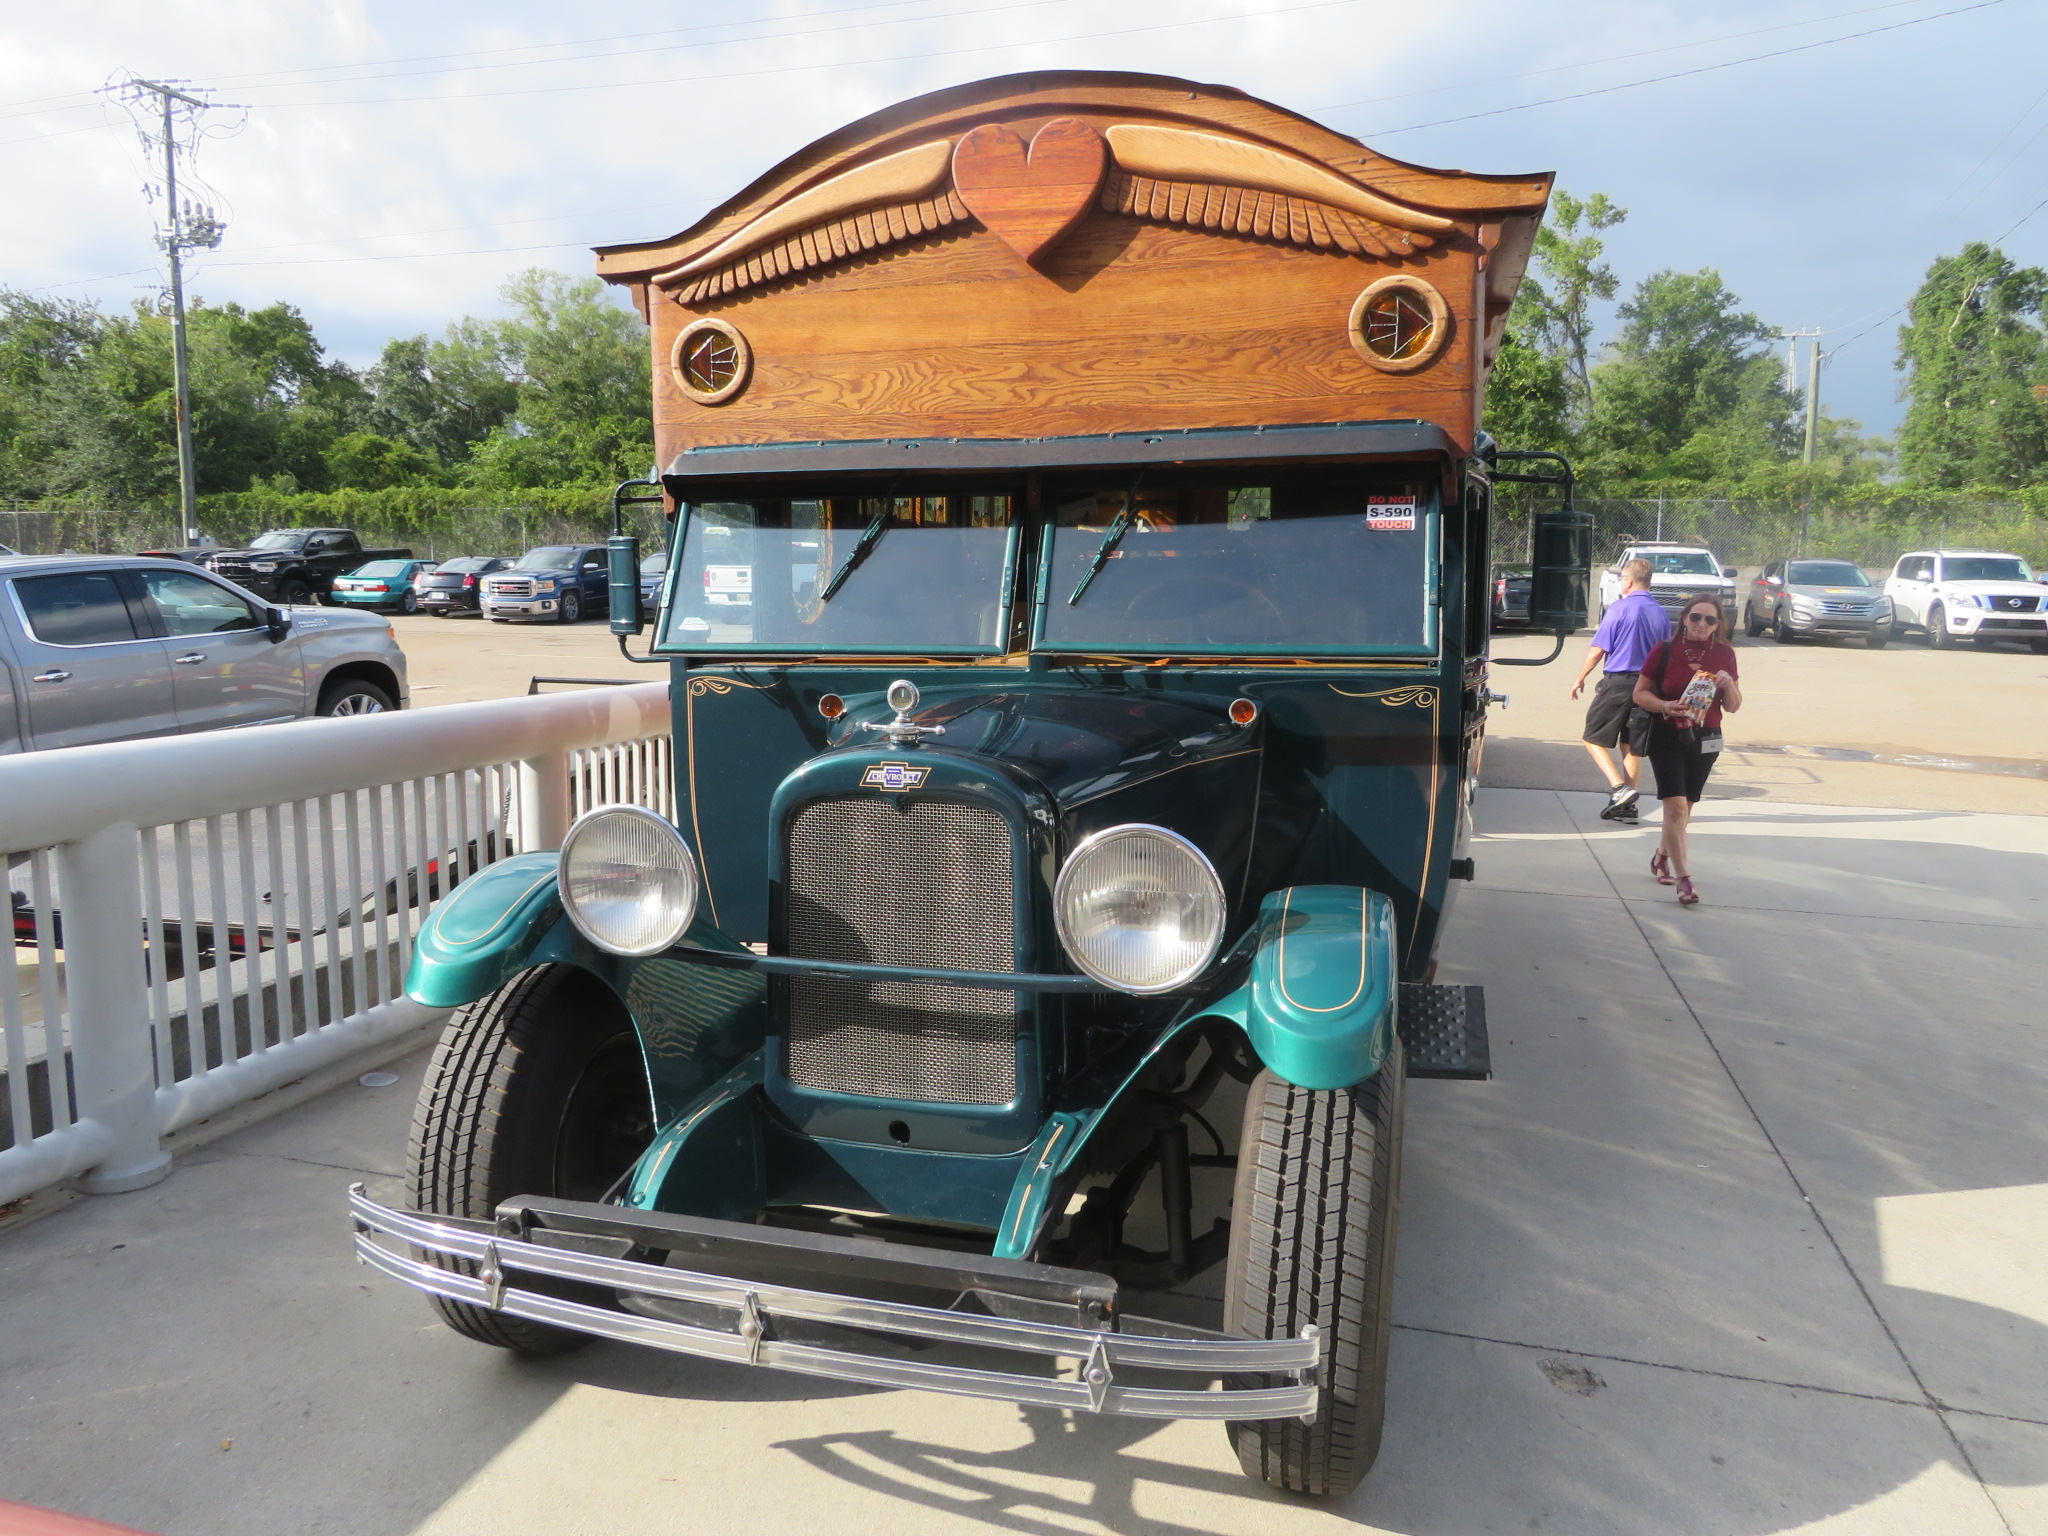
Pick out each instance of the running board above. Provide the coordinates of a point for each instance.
(1443, 1031)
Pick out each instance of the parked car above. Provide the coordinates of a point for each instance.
(1953, 595)
(111, 647)
(1817, 597)
(1511, 592)
(386, 586)
(562, 582)
(456, 586)
(296, 565)
(1677, 572)
(653, 571)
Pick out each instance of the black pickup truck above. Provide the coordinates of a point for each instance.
(296, 565)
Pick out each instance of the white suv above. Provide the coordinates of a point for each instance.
(1677, 572)
(1968, 594)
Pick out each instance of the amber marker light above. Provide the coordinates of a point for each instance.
(831, 706)
(1243, 711)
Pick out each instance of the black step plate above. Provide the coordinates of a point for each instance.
(1443, 1031)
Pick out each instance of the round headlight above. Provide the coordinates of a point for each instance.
(1139, 908)
(628, 880)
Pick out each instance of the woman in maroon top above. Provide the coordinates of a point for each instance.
(1685, 737)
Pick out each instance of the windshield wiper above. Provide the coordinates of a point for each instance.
(1119, 526)
(870, 536)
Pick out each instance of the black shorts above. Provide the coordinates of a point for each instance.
(1680, 766)
(1607, 715)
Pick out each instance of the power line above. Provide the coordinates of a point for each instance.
(1704, 69)
(2021, 220)
(843, 64)
(1620, 58)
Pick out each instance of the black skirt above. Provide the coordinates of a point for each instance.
(1677, 761)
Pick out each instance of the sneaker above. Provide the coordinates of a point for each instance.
(1621, 804)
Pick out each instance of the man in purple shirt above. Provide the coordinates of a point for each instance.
(1628, 632)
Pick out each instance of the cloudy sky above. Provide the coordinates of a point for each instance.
(398, 160)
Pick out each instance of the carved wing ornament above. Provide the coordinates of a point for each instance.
(1031, 195)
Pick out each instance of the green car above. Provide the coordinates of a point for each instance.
(385, 585)
(1066, 819)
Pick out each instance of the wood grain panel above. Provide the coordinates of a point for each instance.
(1140, 326)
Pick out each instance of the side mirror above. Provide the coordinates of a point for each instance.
(627, 616)
(277, 622)
(1560, 555)
(1728, 571)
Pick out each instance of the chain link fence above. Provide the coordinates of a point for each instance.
(30, 530)
(1749, 533)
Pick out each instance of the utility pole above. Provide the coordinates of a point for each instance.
(1792, 340)
(186, 229)
(1812, 396)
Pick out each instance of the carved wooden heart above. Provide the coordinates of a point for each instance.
(1030, 197)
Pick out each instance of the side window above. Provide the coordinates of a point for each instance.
(192, 605)
(1917, 567)
(75, 608)
(593, 560)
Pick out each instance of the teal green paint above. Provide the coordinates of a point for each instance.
(1043, 1162)
(1319, 1004)
(708, 1160)
(485, 932)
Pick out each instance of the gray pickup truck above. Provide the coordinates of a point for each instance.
(107, 648)
(296, 565)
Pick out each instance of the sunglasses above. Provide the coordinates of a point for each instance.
(1702, 618)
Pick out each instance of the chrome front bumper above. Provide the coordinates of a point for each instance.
(821, 1334)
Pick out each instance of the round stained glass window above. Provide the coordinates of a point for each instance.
(711, 361)
(1400, 324)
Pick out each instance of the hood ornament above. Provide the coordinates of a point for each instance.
(902, 731)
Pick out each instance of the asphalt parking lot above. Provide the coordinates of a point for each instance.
(1825, 722)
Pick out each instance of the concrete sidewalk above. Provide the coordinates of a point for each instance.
(1745, 1237)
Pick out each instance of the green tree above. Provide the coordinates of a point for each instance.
(365, 461)
(442, 397)
(1975, 358)
(40, 341)
(1528, 393)
(585, 401)
(1557, 305)
(1689, 389)
(265, 403)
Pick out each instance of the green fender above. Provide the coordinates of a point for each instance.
(1319, 1004)
(486, 932)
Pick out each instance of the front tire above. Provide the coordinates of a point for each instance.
(1781, 630)
(1878, 637)
(571, 609)
(1937, 630)
(1312, 1241)
(537, 1089)
(355, 697)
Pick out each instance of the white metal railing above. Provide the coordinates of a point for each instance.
(202, 919)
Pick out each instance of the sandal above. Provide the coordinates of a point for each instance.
(1687, 896)
(1660, 866)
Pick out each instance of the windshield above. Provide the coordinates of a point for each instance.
(285, 538)
(556, 557)
(1825, 573)
(654, 565)
(1304, 562)
(380, 568)
(467, 563)
(1665, 562)
(1984, 568)
(913, 573)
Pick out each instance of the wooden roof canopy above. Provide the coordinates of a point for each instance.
(1068, 252)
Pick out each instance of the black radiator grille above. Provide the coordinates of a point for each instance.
(878, 879)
